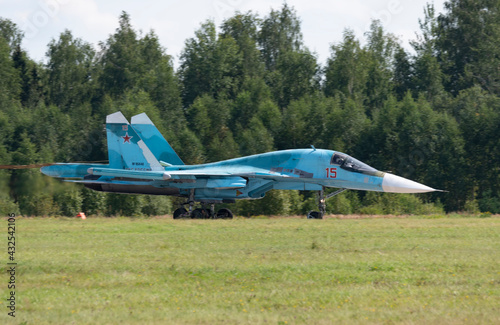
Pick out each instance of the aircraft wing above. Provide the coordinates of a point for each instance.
(217, 178)
(184, 174)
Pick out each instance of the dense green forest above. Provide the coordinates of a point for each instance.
(250, 86)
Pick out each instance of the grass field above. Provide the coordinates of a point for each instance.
(256, 271)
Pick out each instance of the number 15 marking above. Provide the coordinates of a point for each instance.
(331, 172)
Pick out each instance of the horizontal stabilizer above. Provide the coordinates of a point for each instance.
(137, 174)
(69, 170)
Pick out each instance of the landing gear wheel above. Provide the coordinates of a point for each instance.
(200, 214)
(180, 213)
(224, 214)
(314, 215)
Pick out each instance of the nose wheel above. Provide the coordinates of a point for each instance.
(322, 203)
(314, 215)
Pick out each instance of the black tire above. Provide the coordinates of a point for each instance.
(314, 215)
(180, 213)
(224, 214)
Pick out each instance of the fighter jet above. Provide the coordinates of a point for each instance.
(141, 161)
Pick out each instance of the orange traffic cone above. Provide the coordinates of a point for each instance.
(81, 215)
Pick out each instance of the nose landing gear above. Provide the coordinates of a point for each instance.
(322, 203)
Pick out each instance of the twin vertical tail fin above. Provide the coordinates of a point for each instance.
(126, 149)
(160, 148)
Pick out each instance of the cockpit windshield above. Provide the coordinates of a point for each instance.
(351, 164)
(338, 159)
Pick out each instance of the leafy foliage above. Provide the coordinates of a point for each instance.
(252, 86)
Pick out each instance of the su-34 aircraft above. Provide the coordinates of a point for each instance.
(141, 161)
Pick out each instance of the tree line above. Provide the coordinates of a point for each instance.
(250, 86)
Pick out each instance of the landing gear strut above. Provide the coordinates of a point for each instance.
(322, 203)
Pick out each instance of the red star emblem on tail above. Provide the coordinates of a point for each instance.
(127, 138)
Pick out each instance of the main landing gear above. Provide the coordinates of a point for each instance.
(201, 213)
(322, 203)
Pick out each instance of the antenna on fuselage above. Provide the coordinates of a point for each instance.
(312, 146)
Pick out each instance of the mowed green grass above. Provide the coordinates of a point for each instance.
(256, 271)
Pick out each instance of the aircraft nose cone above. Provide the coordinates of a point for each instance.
(396, 184)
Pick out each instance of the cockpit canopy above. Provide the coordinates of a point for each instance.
(351, 164)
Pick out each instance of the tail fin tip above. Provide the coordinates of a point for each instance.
(159, 146)
(116, 118)
(141, 119)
